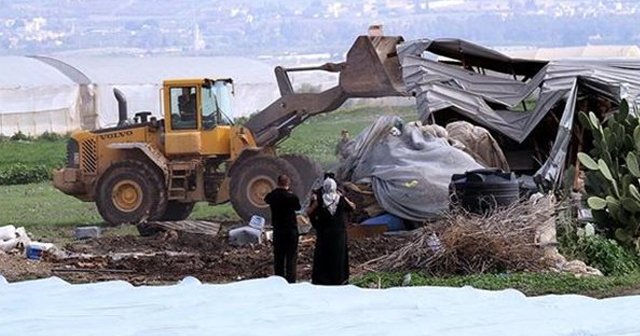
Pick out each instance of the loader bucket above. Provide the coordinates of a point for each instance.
(372, 68)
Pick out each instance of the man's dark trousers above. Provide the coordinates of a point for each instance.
(285, 253)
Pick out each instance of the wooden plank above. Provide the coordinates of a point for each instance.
(190, 226)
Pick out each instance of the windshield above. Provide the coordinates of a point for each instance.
(216, 104)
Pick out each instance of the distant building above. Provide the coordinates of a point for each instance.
(198, 41)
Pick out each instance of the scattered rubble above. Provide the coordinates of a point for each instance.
(167, 258)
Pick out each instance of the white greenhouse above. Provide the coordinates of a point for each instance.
(62, 94)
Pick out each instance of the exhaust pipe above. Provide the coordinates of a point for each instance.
(122, 106)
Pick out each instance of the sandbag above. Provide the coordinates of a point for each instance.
(8, 245)
(7, 232)
(244, 236)
(479, 143)
(22, 237)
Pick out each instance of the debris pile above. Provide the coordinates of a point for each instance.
(12, 238)
(408, 170)
(167, 258)
(512, 239)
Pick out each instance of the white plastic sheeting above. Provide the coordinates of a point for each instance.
(37, 96)
(272, 307)
(141, 80)
(409, 171)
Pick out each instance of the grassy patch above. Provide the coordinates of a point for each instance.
(531, 284)
(40, 204)
(39, 152)
(219, 212)
(40, 207)
(30, 161)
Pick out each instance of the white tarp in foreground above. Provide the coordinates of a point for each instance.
(271, 307)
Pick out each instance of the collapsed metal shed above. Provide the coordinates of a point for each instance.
(493, 90)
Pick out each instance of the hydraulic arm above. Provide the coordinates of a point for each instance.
(371, 70)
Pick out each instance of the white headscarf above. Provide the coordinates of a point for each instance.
(330, 195)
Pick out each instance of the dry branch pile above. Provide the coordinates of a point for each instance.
(463, 243)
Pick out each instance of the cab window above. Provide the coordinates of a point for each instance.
(183, 108)
(210, 110)
(223, 91)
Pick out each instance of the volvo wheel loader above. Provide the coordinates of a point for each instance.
(152, 170)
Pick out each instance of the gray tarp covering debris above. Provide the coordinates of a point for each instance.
(487, 97)
(409, 170)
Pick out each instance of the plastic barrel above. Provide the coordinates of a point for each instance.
(482, 190)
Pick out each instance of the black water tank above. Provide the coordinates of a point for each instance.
(482, 190)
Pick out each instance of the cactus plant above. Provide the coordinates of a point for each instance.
(613, 176)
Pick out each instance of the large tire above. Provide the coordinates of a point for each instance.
(308, 169)
(131, 192)
(257, 176)
(177, 211)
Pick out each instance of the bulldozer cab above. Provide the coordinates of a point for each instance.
(196, 116)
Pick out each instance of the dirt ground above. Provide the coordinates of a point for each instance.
(167, 258)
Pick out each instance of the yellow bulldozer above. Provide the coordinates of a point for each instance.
(147, 169)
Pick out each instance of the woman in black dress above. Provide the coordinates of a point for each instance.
(328, 216)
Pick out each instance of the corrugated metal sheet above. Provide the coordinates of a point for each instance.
(487, 97)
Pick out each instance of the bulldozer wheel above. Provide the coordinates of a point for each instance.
(177, 211)
(308, 169)
(130, 192)
(257, 176)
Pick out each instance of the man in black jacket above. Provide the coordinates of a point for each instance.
(284, 205)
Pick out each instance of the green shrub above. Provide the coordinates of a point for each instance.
(19, 173)
(607, 255)
(49, 136)
(19, 136)
(596, 250)
(34, 155)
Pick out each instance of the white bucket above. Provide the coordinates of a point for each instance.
(257, 222)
